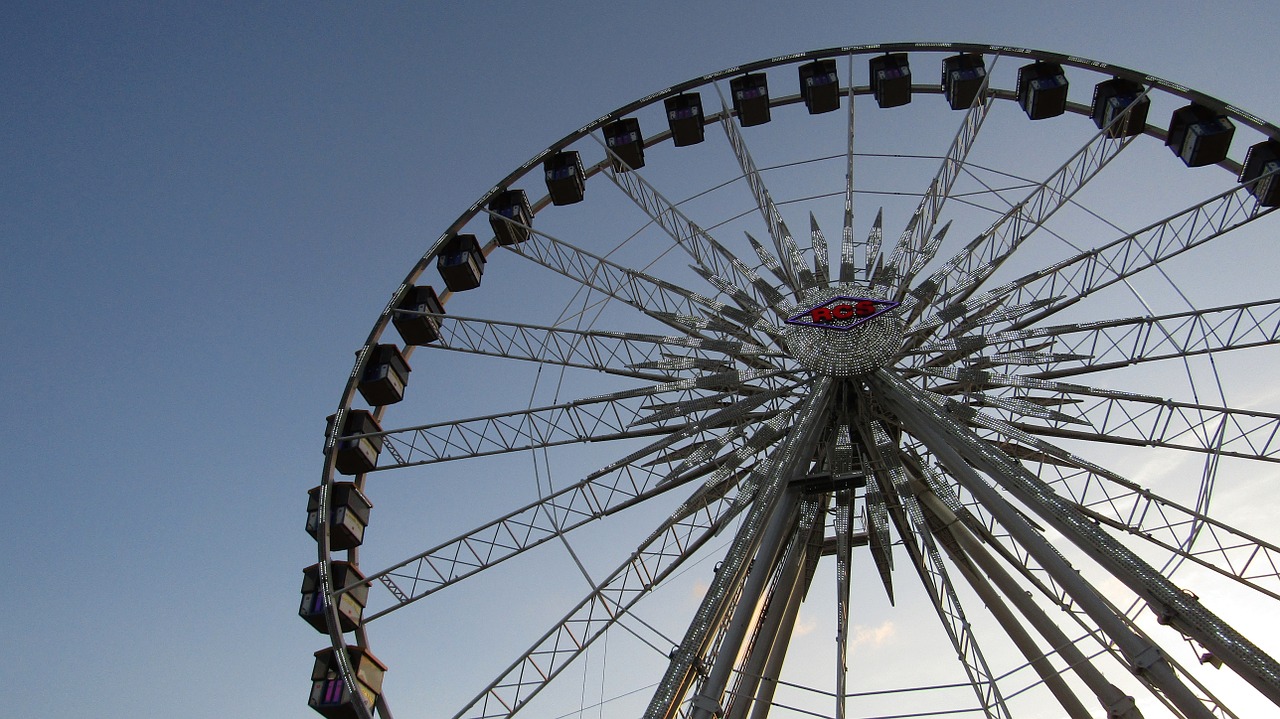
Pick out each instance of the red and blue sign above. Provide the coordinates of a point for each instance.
(842, 312)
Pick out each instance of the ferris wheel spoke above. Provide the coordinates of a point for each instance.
(875, 240)
(621, 484)
(910, 251)
(1152, 422)
(739, 296)
(709, 254)
(618, 415)
(768, 261)
(743, 442)
(696, 325)
(655, 560)
(1220, 431)
(1002, 238)
(1108, 344)
(984, 311)
(541, 427)
(887, 273)
(821, 260)
(1129, 418)
(926, 254)
(848, 258)
(1147, 339)
(654, 297)
(1026, 408)
(1077, 277)
(622, 353)
(663, 411)
(965, 272)
(796, 272)
(766, 434)
(769, 295)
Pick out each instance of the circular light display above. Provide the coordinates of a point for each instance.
(843, 331)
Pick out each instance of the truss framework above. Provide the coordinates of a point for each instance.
(947, 455)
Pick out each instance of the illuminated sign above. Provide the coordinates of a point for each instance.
(841, 313)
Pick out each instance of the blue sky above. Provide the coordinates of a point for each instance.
(205, 206)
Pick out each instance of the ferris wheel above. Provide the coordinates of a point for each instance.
(913, 379)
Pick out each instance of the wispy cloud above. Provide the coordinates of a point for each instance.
(864, 636)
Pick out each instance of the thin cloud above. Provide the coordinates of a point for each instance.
(872, 637)
(804, 626)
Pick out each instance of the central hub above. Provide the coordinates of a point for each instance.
(843, 331)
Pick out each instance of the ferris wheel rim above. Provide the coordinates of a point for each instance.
(324, 552)
(1231, 111)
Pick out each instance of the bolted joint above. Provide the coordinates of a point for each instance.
(1169, 617)
(1146, 659)
(1123, 707)
(704, 703)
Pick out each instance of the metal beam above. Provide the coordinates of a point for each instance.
(961, 451)
(773, 476)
